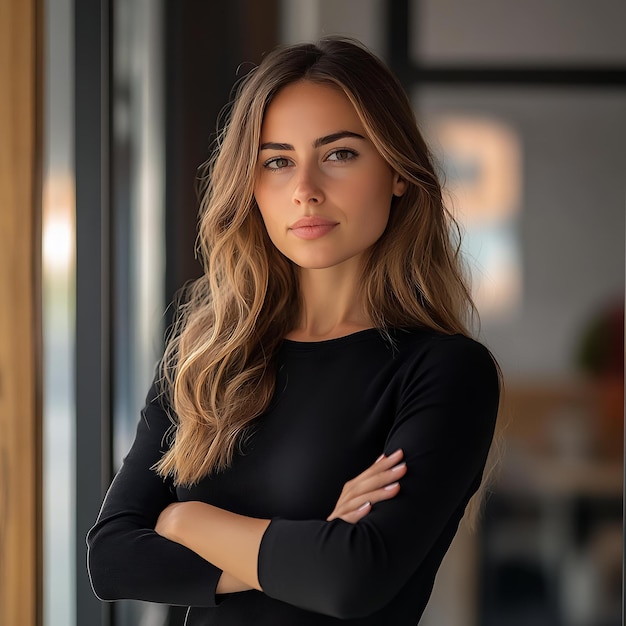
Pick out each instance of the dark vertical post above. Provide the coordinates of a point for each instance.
(398, 42)
(92, 114)
(209, 45)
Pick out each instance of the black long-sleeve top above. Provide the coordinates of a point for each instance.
(338, 404)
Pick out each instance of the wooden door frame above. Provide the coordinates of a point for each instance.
(21, 44)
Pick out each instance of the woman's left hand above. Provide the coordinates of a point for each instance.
(378, 482)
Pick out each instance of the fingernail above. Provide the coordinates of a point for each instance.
(395, 468)
(391, 486)
(364, 506)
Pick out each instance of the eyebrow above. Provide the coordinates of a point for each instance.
(321, 141)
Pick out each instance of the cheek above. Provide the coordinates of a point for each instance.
(259, 191)
(376, 219)
(265, 200)
(271, 226)
(377, 198)
(265, 219)
(379, 224)
(260, 197)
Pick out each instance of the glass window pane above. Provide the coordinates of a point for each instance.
(138, 219)
(571, 219)
(58, 320)
(553, 520)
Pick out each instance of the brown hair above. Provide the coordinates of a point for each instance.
(218, 364)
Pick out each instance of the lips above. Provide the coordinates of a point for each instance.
(312, 227)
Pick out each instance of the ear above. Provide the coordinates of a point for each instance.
(399, 185)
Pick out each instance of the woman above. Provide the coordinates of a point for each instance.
(331, 416)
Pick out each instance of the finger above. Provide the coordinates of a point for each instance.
(382, 462)
(358, 487)
(380, 465)
(385, 493)
(396, 454)
(355, 514)
(347, 507)
(385, 461)
(351, 516)
(384, 472)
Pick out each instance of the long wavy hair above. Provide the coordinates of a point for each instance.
(218, 366)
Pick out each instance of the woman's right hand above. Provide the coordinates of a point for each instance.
(378, 482)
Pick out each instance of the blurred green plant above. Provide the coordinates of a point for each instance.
(601, 348)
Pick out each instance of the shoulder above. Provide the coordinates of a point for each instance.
(426, 343)
(449, 388)
(440, 359)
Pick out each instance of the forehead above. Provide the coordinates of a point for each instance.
(311, 108)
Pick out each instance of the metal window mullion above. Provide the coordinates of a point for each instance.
(93, 389)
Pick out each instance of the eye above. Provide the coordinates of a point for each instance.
(342, 154)
(277, 163)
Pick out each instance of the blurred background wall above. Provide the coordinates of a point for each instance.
(524, 106)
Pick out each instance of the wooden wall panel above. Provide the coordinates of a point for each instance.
(20, 319)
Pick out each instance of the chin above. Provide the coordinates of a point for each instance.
(324, 264)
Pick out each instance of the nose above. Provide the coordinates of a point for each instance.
(308, 189)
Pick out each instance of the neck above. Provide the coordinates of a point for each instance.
(332, 305)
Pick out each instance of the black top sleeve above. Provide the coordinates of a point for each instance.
(126, 557)
(444, 423)
(435, 397)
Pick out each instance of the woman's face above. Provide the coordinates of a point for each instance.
(323, 189)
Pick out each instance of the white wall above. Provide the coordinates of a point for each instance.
(506, 31)
(308, 20)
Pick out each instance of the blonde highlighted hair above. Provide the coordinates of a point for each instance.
(218, 364)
